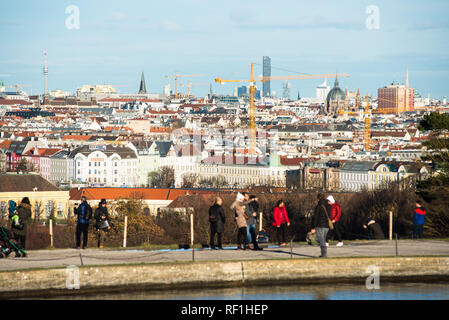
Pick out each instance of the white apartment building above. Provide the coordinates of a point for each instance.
(106, 165)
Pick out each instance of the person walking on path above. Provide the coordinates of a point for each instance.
(418, 221)
(281, 222)
(84, 213)
(102, 223)
(253, 208)
(217, 220)
(335, 218)
(320, 223)
(240, 217)
(24, 213)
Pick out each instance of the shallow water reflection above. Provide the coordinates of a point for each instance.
(387, 291)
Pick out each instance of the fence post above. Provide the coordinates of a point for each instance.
(50, 221)
(125, 231)
(260, 220)
(391, 225)
(191, 236)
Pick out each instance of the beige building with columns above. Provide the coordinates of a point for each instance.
(44, 197)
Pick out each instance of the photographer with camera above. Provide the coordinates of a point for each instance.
(84, 213)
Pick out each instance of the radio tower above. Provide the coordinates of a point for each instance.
(45, 73)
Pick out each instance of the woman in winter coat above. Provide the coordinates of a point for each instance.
(239, 208)
(217, 220)
(281, 222)
(102, 224)
(24, 211)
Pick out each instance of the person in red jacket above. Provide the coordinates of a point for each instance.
(335, 218)
(281, 222)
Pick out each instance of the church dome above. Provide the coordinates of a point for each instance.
(336, 94)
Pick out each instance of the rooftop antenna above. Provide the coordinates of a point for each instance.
(45, 73)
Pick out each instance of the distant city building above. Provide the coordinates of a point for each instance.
(87, 92)
(322, 91)
(266, 73)
(336, 100)
(167, 90)
(44, 197)
(286, 90)
(242, 91)
(106, 165)
(59, 94)
(396, 98)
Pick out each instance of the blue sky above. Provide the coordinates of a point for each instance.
(118, 39)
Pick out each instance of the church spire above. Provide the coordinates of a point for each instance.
(142, 88)
(336, 84)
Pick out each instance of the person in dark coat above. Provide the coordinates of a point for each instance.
(320, 223)
(374, 229)
(84, 213)
(24, 212)
(102, 224)
(253, 208)
(217, 220)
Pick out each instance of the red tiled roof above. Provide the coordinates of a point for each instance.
(133, 193)
(11, 102)
(76, 137)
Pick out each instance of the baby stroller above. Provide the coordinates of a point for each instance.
(8, 244)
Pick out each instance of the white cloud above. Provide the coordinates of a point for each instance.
(168, 25)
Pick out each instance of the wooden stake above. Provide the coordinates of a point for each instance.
(125, 231)
(51, 232)
(391, 225)
(191, 236)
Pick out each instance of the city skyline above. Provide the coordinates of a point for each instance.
(115, 43)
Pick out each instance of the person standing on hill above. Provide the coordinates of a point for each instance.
(24, 213)
(217, 220)
(320, 223)
(418, 221)
(253, 207)
(240, 217)
(281, 222)
(84, 213)
(102, 224)
(335, 218)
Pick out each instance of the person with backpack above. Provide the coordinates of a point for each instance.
(217, 220)
(335, 216)
(84, 213)
(102, 225)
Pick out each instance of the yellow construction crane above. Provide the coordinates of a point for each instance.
(190, 84)
(176, 76)
(367, 131)
(252, 95)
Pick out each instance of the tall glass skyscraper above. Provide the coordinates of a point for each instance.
(266, 73)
